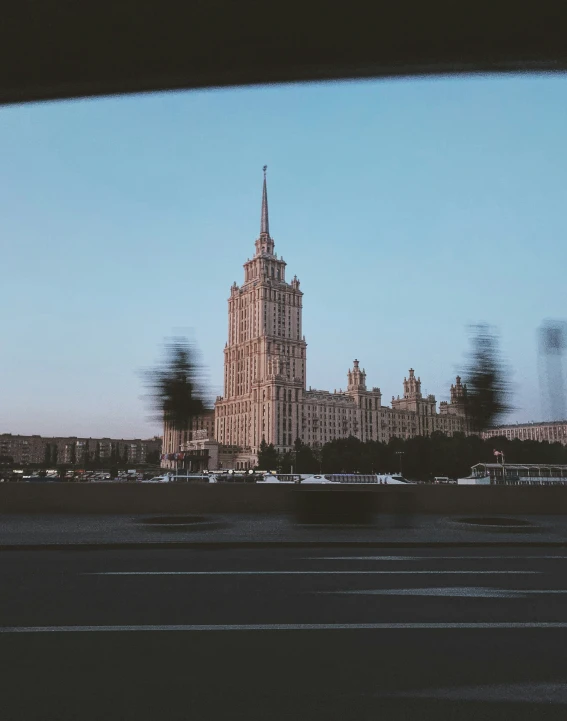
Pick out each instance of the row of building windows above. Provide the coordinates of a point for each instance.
(249, 297)
(555, 432)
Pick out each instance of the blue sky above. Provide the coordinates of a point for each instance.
(407, 208)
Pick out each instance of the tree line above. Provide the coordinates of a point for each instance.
(421, 458)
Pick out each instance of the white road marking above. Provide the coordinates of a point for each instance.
(548, 693)
(432, 558)
(304, 573)
(461, 591)
(291, 627)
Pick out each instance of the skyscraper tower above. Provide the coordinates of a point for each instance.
(265, 356)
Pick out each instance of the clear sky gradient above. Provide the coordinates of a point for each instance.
(408, 209)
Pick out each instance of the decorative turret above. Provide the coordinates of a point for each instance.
(458, 392)
(412, 386)
(356, 378)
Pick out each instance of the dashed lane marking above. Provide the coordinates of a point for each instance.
(290, 627)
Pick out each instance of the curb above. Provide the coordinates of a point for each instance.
(226, 545)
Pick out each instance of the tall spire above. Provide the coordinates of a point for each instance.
(264, 243)
(264, 223)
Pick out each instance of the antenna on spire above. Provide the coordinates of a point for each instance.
(264, 223)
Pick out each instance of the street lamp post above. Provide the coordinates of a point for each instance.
(400, 454)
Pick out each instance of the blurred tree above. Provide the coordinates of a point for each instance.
(344, 455)
(47, 454)
(268, 457)
(418, 457)
(304, 458)
(286, 462)
(317, 451)
(487, 387)
(176, 388)
(153, 458)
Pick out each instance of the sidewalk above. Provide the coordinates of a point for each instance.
(66, 531)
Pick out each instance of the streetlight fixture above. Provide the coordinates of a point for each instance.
(400, 454)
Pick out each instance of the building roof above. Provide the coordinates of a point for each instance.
(532, 424)
(525, 466)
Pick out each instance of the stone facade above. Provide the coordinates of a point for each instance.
(196, 449)
(201, 453)
(175, 441)
(265, 395)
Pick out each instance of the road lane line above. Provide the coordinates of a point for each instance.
(304, 573)
(458, 592)
(432, 558)
(292, 627)
(542, 692)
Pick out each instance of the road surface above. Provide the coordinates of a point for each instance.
(284, 634)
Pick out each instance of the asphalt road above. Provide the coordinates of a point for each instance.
(284, 634)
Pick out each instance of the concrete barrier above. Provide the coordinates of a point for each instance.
(349, 505)
(490, 500)
(110, 498)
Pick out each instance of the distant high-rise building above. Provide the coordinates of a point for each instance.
(552, 345)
